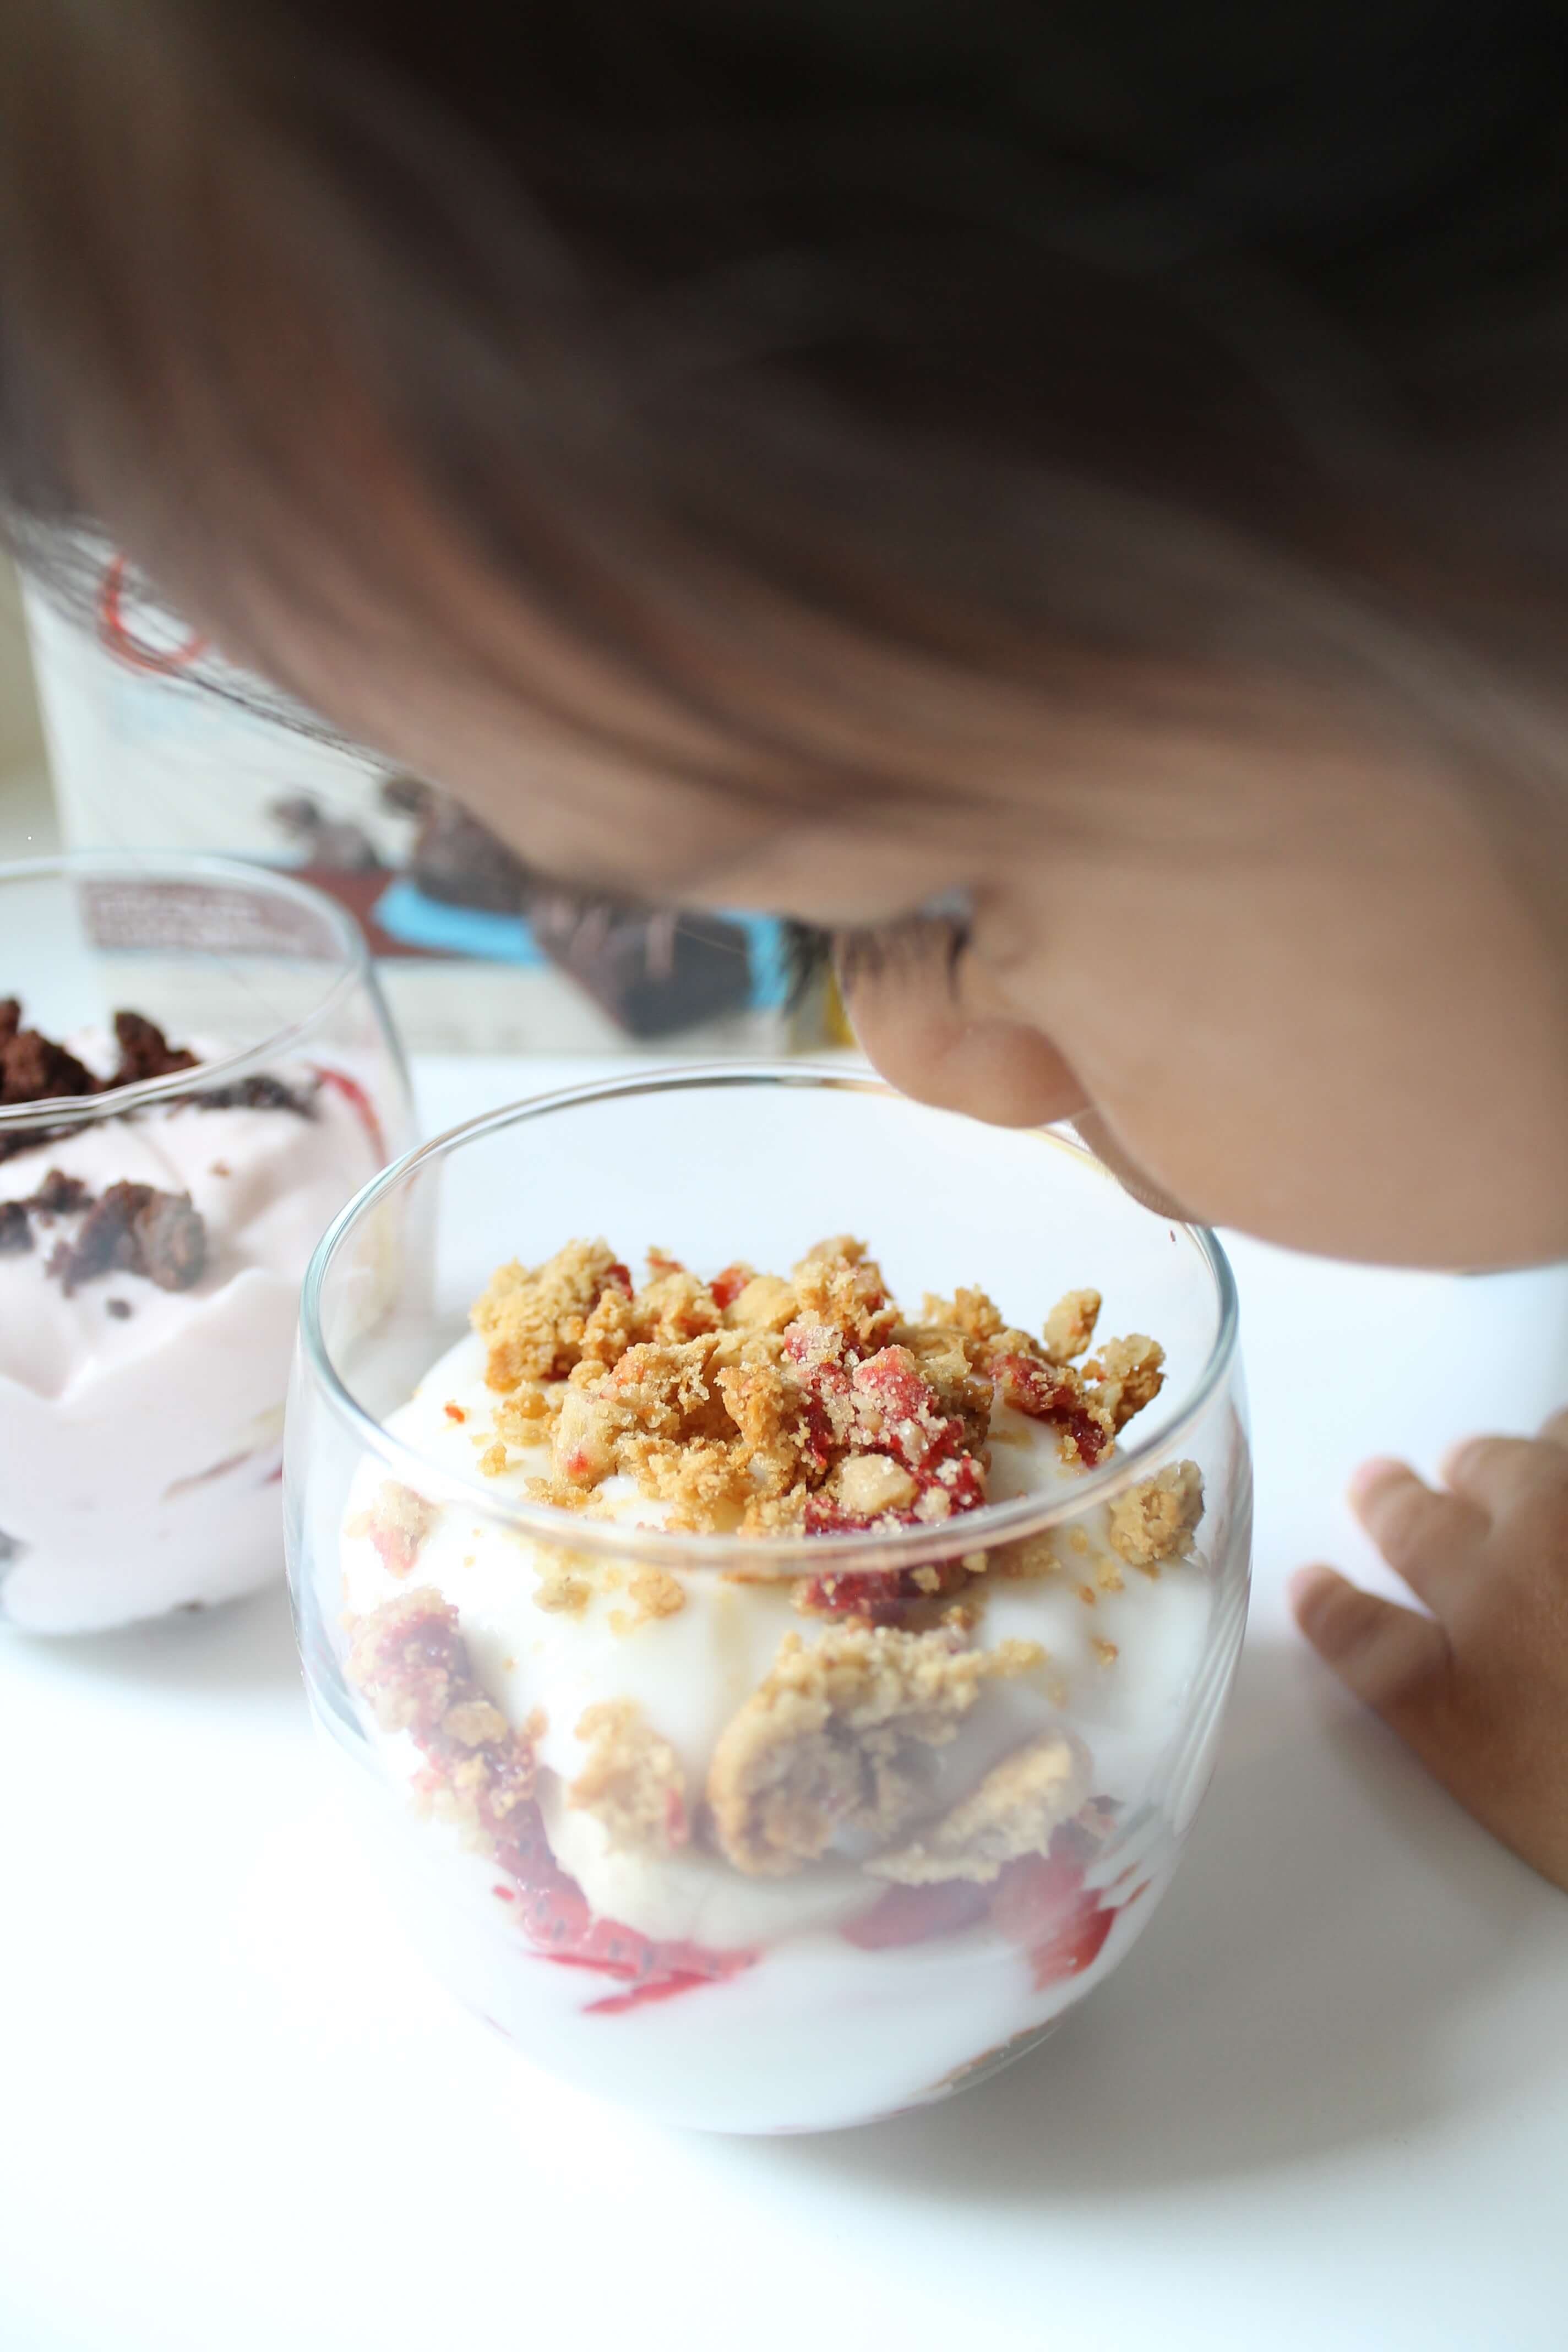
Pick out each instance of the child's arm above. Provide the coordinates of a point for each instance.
(1480, 1688)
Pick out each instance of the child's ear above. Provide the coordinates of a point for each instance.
(939, 1029)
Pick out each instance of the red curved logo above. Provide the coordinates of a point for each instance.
(117, 639)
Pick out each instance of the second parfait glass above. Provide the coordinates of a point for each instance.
(196, 1071)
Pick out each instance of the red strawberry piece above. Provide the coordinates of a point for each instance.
(507, 1795)
(727, 1286)
(614, 2004)
(395, 1548)
(817, 1349)
(553, 1914)
(1073, 1947)
(915, 1915)
(905, 1412)
(818, 1440)
(1042, 1902)
(522, 1849)
(892, 1380)
(960, 1478)
(619, 1278)
(877, 1594)
(1035, 1895)
(1055, 1393)
(421, 1657)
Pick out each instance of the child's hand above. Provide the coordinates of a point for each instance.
(1478, 1689)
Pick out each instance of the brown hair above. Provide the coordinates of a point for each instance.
(1080, 347)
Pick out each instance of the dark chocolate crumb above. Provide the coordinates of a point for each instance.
(33, 1068)
(121, 1308)
(16, 1231)
(145, 1051)
(30, 1139)
(135, 1229)
(172, 1239)
(261, 1092)
(106, 1242)
(59, 1195)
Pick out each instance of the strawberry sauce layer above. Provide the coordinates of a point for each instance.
(1039, 1901)
(413, 1664)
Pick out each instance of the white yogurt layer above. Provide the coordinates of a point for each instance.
(811, 2030)
(140, 1454)
(1117, 1666)
(816, 2035)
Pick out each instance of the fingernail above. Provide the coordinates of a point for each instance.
(1368, 1475)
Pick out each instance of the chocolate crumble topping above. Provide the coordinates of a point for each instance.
(121, 1308)
(33, 1068)
(15, 1233)
(259, 1092)
(145, 1051)
(58, 1195)
(135, 1229)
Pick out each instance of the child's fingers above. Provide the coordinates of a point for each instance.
(1497, 1474)
(1388, 1656)
(1429, 1539)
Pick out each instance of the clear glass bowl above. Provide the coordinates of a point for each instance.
(670, 1966)
(146, 1334)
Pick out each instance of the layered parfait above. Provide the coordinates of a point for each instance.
(152, 1249)
(808, 1794)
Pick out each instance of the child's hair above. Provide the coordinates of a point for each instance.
(1096, 345)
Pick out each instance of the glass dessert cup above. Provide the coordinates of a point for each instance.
(779, 1832)
(196, 1072)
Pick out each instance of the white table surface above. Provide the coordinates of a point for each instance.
(1323, 2103)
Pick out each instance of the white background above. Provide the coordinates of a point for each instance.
(1324, 2104)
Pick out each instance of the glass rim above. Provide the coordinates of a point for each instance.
(55, 1111)
(992, 1523)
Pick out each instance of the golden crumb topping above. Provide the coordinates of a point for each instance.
(397, 1523)
(1070, 1326)
(1013, 1812)
(632, 1782)
(1155, 1519)
(758, 1403)
(411, 1662)
(830, 1738)
(1127, 1374)
(533, 1320)
(653, 1593)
